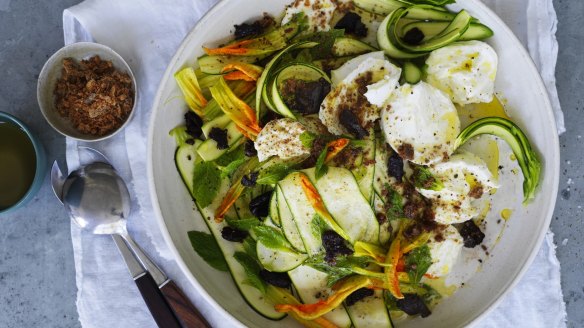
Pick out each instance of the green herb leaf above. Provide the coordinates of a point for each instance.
(325, 40)
(229, 169)
(206, 246)
(207, 179)
(271, 237)
(321, 169)
(343, 267)
(395, 208)
(417, 263)
(273, 174)
(180, 135)
(249, 245)
(307, 139)
(318, 226)
(230, 157)
(424, 179)
(243, 224)
(252, 270)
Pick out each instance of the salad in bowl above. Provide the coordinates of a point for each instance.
(345, 156)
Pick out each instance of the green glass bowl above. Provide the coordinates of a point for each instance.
(41, 163)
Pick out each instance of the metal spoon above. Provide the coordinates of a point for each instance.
(98, 201)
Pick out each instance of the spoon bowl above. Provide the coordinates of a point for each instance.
(97, 199)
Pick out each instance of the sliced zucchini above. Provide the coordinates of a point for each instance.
(350, 47)
(274, 215)
(411, 73)
(288, 223)
(302, 71)
(278, 260)
(519, 143)
(343, 199)
(380, 7)
(310, 284)
(390, 32)
(475, 31)
(185, 158)
(250, 294)
(208, 149)
(302, 212)
(219, 122)
(370, 312)
(329, 64)
(267, 74)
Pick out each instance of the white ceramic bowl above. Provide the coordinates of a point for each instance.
(527, 103)
(52, 71)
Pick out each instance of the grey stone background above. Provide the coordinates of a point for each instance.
(37, 273)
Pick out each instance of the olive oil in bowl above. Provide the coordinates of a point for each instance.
(17, 164)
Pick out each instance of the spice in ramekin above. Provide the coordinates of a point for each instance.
(93, 95)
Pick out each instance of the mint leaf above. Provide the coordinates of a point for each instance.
(273, 174)
(423, 178)
(249, 245)
(206, 181)
(325, 40)
(321, 169)
(271, 237)
(307, 139)
(231, 156)
(243, 224)
(229, 169)
(252, 270)
(206, 246)
(318, 226)
(395, 208)
(417, 263)
(342, 268)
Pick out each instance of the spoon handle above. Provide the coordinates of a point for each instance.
(159, 308)
(189, 316)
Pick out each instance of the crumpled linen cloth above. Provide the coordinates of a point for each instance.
(147, 33)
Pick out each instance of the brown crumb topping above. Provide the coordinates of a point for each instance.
(93, 95)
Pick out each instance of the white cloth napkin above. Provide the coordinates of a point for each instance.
(147, 33)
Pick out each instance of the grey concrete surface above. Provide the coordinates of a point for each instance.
(567, 223)
(37, 274)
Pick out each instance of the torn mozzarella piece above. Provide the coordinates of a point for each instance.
(281, 138)
(466, 71)
(420, 123)
(465, 178)
(445, 247)
(350, 93)
(318, 13)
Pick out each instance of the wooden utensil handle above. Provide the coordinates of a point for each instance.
(162, 313)
(182, 306)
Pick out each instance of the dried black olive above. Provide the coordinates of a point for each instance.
(247, 30)
(220, 136)
(194, 124)
(352, 24)
(250, 179)
(305, 97)
(232, 234)
(413, 304)
(278, 279)
(395, 166)
(471, 233)
(413, 36)
(358, 295)
(350, 121)
(249, 149)
(260, 206)
(334, 245)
